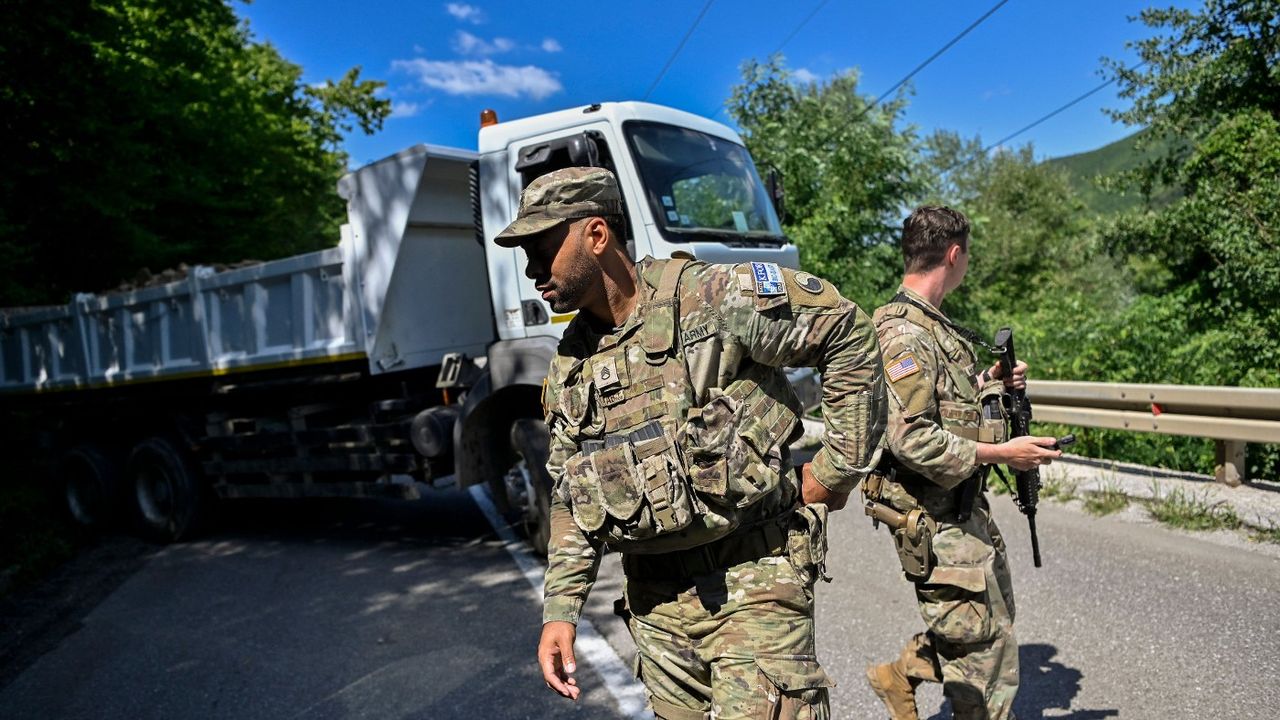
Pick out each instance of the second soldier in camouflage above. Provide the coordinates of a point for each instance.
(941, 439)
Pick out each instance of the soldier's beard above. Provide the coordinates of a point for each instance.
(570, 291)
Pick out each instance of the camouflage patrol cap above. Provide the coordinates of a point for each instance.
(561, 195)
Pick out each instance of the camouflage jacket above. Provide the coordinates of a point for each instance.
(680, 419)
(935, 390)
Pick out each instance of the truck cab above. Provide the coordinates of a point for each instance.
(687, 184)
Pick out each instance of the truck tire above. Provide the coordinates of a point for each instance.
(531, 439)
(90, 480)
(169, 499)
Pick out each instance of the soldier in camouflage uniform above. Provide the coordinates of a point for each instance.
(670, 420)
(941, 439)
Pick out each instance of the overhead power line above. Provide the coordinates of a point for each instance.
(790, 36)
(795, 31)
(932, 57)
(1043, 118)
(679, 47)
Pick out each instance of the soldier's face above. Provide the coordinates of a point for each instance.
(561, 267)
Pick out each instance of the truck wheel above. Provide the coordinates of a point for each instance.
(90, 481)
(167, 491)
(531, 439)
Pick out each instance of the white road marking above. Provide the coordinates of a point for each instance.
(590, 644)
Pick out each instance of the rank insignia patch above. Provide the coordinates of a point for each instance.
(606, 373)
(768, 279)
(902, 367)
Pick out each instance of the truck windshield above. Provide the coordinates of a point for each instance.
(701, 187)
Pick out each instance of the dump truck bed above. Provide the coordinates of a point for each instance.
(405, 285)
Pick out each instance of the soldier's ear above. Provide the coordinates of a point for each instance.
(595, 232)
(954, 251)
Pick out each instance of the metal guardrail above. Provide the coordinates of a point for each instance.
(1232, 416)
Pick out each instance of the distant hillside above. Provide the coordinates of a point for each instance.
(1107, 160)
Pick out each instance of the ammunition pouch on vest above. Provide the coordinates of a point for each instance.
(634, 481)
(732, 443)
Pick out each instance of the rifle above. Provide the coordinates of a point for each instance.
(1018, 410)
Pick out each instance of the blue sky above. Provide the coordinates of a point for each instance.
(445, 61)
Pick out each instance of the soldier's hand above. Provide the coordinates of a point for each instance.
(555, 657)
(812, 491)
(1019, 379)
(1028, 452)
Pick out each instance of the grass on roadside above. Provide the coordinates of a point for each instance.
(1057, 486)
(1110, 498)
(1265, 535)
(1054, 485)
(1191, 512)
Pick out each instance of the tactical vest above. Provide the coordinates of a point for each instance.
(974, 412)
(655, 473)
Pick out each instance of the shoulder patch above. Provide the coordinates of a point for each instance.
(808, 283)
(768, 279)
(809, 291)
(904, 366)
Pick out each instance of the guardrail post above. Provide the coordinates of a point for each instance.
(1228, 465)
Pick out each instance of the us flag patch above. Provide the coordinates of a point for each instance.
(902, 367)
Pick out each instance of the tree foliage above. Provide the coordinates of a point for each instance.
(1198, 68)
(846, 169)
(153, 132)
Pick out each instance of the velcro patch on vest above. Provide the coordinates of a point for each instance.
(768, 279)
(904, 366)
(606, 371)
(701, 332)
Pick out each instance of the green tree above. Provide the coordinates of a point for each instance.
(847, 171)
(1034, 244)
(1211, 80)
(1210, 89)
(148, 133)
(1198, 68)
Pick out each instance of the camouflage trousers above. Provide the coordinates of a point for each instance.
(734, 644)
(967, 605)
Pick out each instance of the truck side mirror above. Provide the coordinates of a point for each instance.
(776, 193)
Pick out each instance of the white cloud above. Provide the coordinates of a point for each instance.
(805, 76)
(467, 44)
(405, 109)
(550, 45)
(481, 77)
(997, 92)
(465, 12)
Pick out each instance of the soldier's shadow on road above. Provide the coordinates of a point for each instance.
(1045, 684)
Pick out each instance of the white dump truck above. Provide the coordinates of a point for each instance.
(412, 351)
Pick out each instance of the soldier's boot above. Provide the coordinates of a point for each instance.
(895, 689)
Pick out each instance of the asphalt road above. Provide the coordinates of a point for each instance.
(416, 610)
(343, 610)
